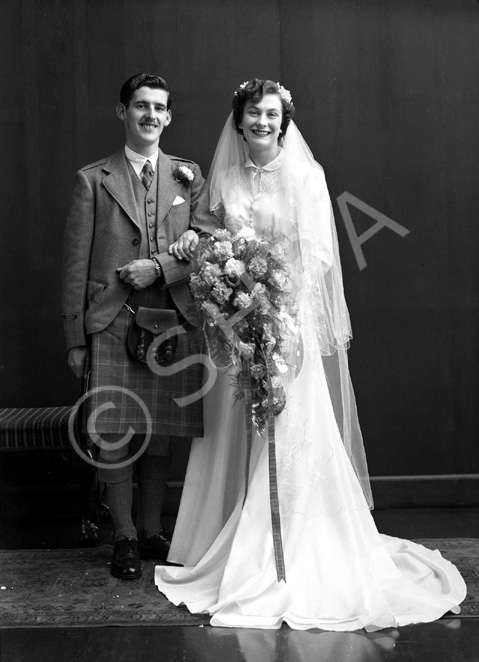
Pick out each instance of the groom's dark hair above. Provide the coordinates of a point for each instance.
(142, 80)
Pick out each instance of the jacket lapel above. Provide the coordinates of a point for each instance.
(118, 183)
(168, 187)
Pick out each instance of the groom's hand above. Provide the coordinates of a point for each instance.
(185, 246)
(79, 360)
(139, 273)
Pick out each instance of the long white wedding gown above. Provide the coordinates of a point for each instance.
(341, 574)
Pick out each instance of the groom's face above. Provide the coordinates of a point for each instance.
(145, 118)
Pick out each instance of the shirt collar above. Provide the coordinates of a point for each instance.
(271, 166)
(138, 161)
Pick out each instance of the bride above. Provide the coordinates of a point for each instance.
(295, 541)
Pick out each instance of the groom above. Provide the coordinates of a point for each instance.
(119, 277)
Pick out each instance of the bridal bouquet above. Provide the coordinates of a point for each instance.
(240, 288)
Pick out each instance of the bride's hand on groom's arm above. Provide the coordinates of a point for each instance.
(185, 246)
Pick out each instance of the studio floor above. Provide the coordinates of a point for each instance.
(38, 524)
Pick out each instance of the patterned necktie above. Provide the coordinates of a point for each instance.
(147, 175)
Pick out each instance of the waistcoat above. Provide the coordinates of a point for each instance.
(146, 204)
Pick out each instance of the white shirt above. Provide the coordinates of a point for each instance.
(138, 160)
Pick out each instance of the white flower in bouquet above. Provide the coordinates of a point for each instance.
(223, 249)
(277, 252)
(258, 291)
(212, 274)
(222, 235)
(278, 279)
(221, 293)
(234, 267)
(242, 300)
(246, 233)
(258, 266)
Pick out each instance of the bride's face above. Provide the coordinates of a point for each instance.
(261, 122)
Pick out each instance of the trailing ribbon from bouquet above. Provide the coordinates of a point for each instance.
(249, 422)
(273, 474)
(273, 489)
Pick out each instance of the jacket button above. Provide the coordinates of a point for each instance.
(135, 242)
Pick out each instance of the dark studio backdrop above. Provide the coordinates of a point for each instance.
(386, 93)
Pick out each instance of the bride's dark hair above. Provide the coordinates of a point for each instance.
(254, 90)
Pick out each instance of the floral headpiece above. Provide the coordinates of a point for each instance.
(241, 87)
(283, 92)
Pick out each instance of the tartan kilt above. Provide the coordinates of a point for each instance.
(111, 365)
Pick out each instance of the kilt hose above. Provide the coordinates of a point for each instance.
(111, 365)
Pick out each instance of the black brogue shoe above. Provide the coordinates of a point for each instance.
(126, 562)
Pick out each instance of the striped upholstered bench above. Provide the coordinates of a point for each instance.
(46, 428)
(31, 428)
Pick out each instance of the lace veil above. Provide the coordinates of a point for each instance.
(300, 210)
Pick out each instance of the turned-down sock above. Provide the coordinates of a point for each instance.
(119, 498)
(152, 472)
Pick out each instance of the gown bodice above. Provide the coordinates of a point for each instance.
(254, 197)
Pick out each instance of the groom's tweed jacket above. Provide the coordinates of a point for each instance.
(106, 229)
(103, 232)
